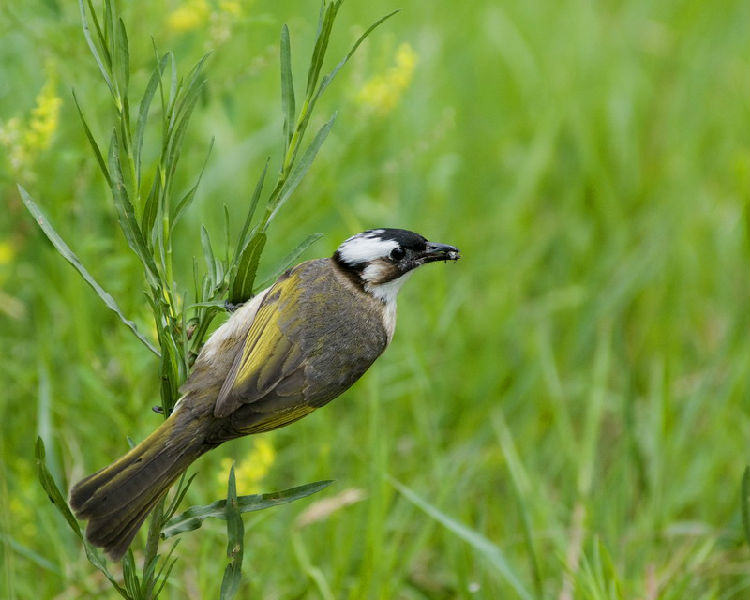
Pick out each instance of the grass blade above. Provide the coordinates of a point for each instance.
(327, 79)
(143, 109)
(746, 504)
(290, 259)
(247, 266)
(49, 485)
(321, 45)
(476, 540)
(301, 168)
(56, 497)
(92, 142)
(122, 59)
(208, 255)
(235, 542)
(255, 198)
(187, 199)
(70, 256)
(287, 86)
(100, 35)
(194, 516)
(126, 216)
(92, 46)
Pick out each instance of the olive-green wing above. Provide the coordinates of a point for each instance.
(269, 361)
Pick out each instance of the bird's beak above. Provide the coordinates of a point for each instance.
(435, 252)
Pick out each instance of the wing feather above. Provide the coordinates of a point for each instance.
(269, 359)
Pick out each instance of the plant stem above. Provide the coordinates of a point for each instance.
(152, 545)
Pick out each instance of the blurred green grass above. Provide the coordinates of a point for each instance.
(575, 390)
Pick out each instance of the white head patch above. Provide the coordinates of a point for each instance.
(366, 247)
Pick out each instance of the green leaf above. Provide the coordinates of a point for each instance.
(92, 141)
(100, 36)
(53, 493)
(327, 79)
(70, 256)
(122, 58)
(151, 210)
(321, 44)
(476, 540)
(289, 260)
(242, 239)
(56, 497)
(208, 255)
(194, 516)
(242, 283)
(140, 126)
(130, 575)
(166, 569)
(301, 168)
(235, 542)
(182, 488)
(87, 34)
(187, 199)
(287, 86)
(126, 216)
(746, 504)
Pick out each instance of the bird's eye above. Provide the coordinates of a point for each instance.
(397, 254)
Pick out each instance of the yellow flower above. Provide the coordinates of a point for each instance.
(24, 142)
(190, 15)
(250, 471)
(382, 92)
(44, 118)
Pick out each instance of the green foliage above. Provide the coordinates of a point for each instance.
(194, 516)
(147, 223)
(230, 583)
(575, 389)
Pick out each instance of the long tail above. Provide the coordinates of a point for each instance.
(117, 499)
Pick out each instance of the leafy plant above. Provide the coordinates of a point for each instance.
(148, 208)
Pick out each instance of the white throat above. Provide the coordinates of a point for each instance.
(387, 293)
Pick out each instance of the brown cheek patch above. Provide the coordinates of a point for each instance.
(384, 271)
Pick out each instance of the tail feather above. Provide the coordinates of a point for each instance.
(117, 499)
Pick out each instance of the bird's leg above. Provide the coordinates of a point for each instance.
(229, 307)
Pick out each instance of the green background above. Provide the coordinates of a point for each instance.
(575, 389)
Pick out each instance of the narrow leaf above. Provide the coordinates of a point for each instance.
(187, 199)
(476, 540)
(287, 86)
(242, 240)
(70, 256)
(129, 575)
(745, 504)
(301, 168)
(56, 497)
(140, 126)
(194, 516)
(122, 58)
(321, 45)
(126, 215)
(289, 260)
(92, 141)
(151, 210)
(49, 485)
(208, 255)
(100, 36)
(242, 284)
(235, 542)
(326, 81)
(87, 34)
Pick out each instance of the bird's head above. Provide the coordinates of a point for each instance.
(382, 259)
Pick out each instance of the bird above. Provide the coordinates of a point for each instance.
(287, 351)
